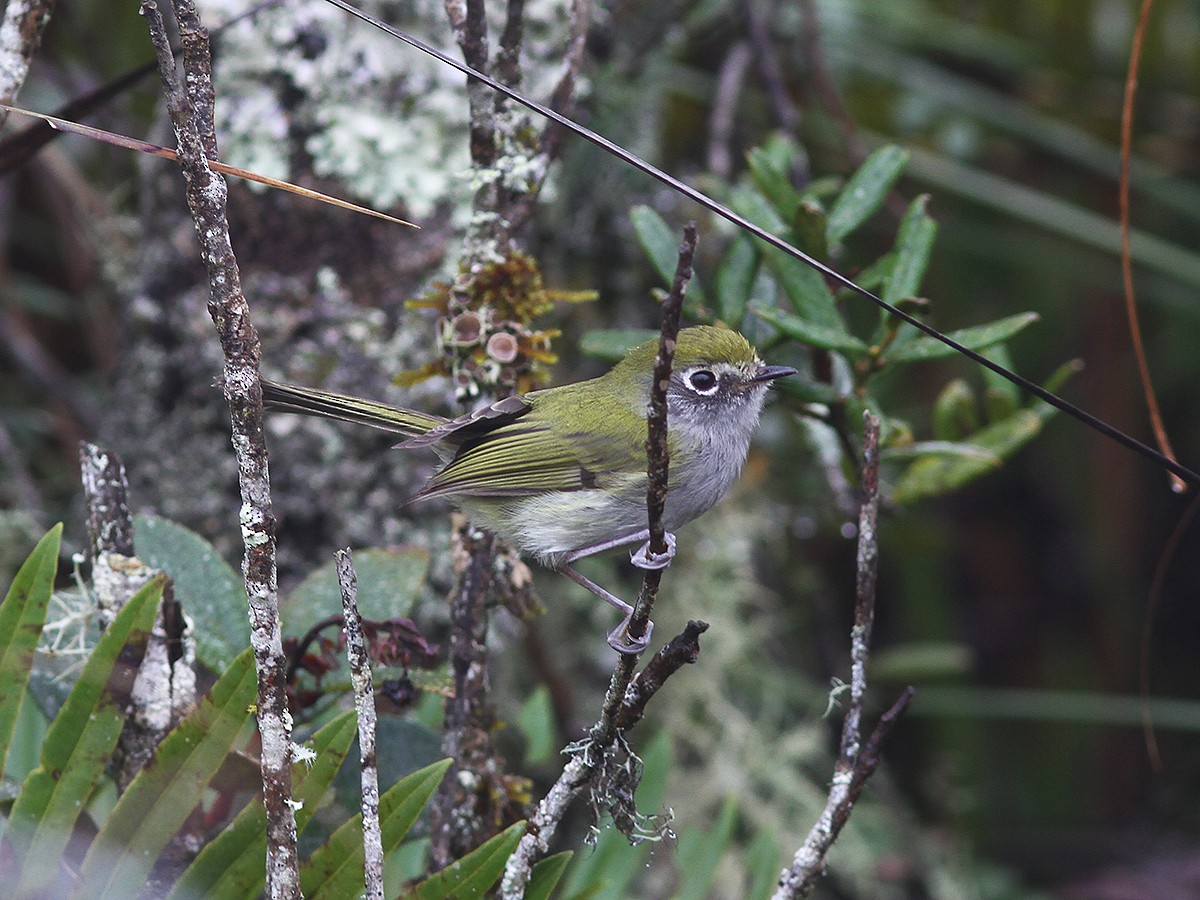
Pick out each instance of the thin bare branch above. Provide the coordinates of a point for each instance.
(364, 704)
(190, 105)
(857, 760)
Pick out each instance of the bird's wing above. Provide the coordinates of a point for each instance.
(515, 460)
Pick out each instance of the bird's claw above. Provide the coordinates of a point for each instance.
(645, 558)
(621, 641)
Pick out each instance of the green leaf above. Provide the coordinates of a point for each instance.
(475, 873)
(914, 243)
(975, 338)
(163, 795)
(811, 333)
(935, 475)
(804, 286)
(231, 865)
(335, 869)
(809, 224)
(611, 344)
(22, 615)
(763, 863)
(546, 875)
(661, 245)
(954, 412)
(735, 280)
(536, 723)
(210, 591)
(700, 853)
(79, 743)
(921, 661)
(389, 579)
(769, 167)
(865, 191)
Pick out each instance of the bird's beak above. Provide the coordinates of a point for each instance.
(770, 373)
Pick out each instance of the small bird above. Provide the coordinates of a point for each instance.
(561, 472)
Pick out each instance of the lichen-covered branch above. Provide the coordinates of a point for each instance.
(857, 760)
(20, 36)
(190, 105)
(364, 704)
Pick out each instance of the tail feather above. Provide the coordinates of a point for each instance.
(325, 404)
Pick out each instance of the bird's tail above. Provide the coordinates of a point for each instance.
(313, 402)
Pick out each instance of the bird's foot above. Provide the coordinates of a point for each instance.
(645, 558)
(621, 641)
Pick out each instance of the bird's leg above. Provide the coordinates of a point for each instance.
(619, 638)
(643, 558)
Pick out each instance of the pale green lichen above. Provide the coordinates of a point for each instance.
(383, 118)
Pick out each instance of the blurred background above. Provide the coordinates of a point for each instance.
(1019, 603)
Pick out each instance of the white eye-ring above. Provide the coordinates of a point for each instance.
(703, 381)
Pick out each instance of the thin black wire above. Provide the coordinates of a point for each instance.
(724, 212)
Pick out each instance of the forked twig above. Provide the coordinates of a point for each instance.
(857, 759)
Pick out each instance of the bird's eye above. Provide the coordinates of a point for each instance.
(702, 381)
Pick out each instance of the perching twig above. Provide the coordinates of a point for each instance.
(190, 104)
(857, 760)
(364, 704)
(592, 759)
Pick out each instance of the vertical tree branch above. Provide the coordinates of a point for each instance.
(189, 104)
(364, 704)
(857, 760)
(20, 36)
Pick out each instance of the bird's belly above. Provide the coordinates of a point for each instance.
(553, 525)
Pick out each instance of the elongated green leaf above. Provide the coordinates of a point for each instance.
(700, 852)
(865, 191)
(21, 618)
(914, 243)
(811, 333)
(475, 873)
(804, 287)
(79, 744)
(769, 165)
(163, 795)
(955, 412)
(231, 865)
(762, 861)
(939, 474)
(975, 338)
(546, 875)
(209, 589)
(735, 280)
(662, 247)
(335, 869)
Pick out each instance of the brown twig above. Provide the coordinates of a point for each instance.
(596, 759)
(785, 110)
(364, 704)
(857, 759)
(1131, 312)
(826, 86)
(190, 105)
